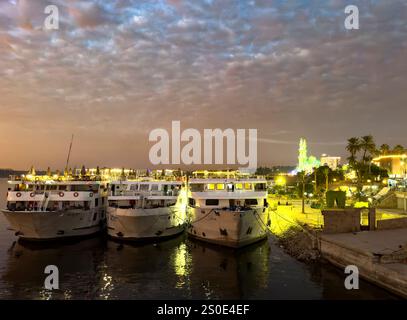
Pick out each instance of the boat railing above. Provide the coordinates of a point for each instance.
(169, 193)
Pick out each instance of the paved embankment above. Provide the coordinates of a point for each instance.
(381, 256)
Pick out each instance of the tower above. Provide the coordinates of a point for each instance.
(302, 155)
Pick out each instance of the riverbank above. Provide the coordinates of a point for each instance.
(381, 256)
(299, 242)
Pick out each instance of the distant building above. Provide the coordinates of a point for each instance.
(305, 163)
(331, 162)
(396, 165)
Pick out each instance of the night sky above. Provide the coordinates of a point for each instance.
(115, 70)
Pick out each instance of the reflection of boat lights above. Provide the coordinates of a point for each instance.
(180, 260)
(181, 205)
(67, 295)
(45, 294)
(107, 286)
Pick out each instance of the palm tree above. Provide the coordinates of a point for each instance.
(399, 149)
(326, 173)
(353, 147)
(384, 149)
(368, 146)
(301, 175)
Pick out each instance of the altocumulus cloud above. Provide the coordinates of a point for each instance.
(117, 69)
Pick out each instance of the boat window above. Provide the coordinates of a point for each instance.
(113, 204)
(78, 187)
(248, 186)
(230, 187)
(154, 187)
(250, 202)
(260, 186)
(239, 186)
(211, 186)
(144, 187)
(197, 187)
(191, 202)
(220, 186)
(212, 202)
(134, 187)
(62, 187)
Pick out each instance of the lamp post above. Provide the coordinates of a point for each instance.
(302, 175)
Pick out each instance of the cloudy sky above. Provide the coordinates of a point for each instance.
(115, 70)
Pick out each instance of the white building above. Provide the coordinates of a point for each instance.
(331, 162)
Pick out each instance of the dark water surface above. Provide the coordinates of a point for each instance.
(97, 268)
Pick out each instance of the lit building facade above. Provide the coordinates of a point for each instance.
(396, 165)
(305, 163)
(331, 162)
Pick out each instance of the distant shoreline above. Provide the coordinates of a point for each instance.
(5, 173)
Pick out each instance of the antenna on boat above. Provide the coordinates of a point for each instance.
(69, 154)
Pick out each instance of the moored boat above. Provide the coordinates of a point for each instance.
(145, 209)
(54, 207)
(228, 209)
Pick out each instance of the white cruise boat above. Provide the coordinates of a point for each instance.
(228, 209)
(145, 209)
(53, 207)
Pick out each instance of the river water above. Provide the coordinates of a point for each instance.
(98, 268)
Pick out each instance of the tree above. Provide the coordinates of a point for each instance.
(353, 147)
(326, 174)
(384, 149)
(302, 176)
(361, 166)
(399, 149)
(368, 147)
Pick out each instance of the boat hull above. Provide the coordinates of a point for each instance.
(234, 229)
(143, 224)
(45, 225)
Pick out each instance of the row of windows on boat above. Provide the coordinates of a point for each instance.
(229, 187)
(60, 187)
(232, 202)
(145, 187)
(85, 205)
(54, 205)
(147, 204)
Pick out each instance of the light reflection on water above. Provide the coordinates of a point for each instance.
(97, 268)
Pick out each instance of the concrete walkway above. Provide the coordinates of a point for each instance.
(400, 212)
(381, 256)
(372, 242)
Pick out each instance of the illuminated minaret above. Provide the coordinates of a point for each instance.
(302, 155)
(305, 163)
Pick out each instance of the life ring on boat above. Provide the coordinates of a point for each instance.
(76, 194)
(61, 194)
(32, 194)
(91, 194)
(18, 194)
